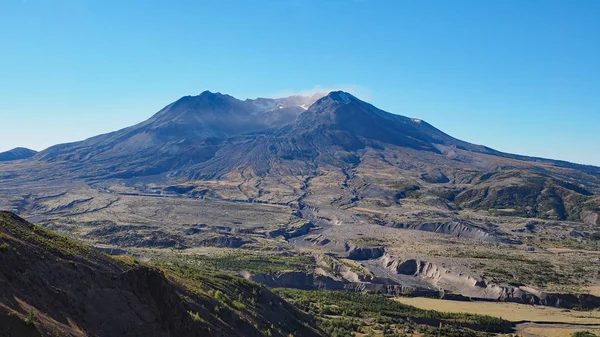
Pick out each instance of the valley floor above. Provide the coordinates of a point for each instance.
(533, 321)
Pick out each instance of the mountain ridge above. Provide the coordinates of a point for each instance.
(17, 153)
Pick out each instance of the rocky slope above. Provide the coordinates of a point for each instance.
(529, 195)
(381, 272)
(50, 285)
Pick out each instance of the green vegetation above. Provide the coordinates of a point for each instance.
(238, 305)
(44, 238)
(489, 255)
(518, 194)
(584, 334)
(4, 247)
(260, 263)
(538, 270)
(30, 319)
(344, 313)
(341, 326)
(251, 261)
(232, 292)
(127, 260)
(220, 302)
(406, 190)
(57, 243)
(232, 299)
(196, 317)
(332, 266)
(541, 273)
(591, 241)
(369, 241)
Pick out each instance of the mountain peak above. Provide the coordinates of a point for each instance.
(335, 98)
(341, 96)
(210, 96)
(203, 100)
(16, 154)
(208, 93)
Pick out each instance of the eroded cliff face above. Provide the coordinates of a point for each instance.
(366, 253)
(408, 276)
(310, 281)
(459, 229)
(447, 280)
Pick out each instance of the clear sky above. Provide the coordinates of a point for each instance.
(519, 76)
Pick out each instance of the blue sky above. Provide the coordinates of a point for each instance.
(519, 76)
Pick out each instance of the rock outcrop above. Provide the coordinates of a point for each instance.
(366, 253)
(445, 279)
(293, 231)
(310, 281)
(457, 228)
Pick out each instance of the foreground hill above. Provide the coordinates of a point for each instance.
(50, 285)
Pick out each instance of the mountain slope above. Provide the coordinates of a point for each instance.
(530, 195)
(50, 285)
(17, 154)
(186, 132)
(339, 130)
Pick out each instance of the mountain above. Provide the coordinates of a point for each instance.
(17, 154)
(54, 286)
(322, 192)
(212, 134)
(186, 132)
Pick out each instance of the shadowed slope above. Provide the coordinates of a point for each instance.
(52, 285)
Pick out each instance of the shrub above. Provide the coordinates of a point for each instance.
(30, 319)
(584, 334)
(220, 296)
(196, 317)
(238, 305)
(342, 313)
